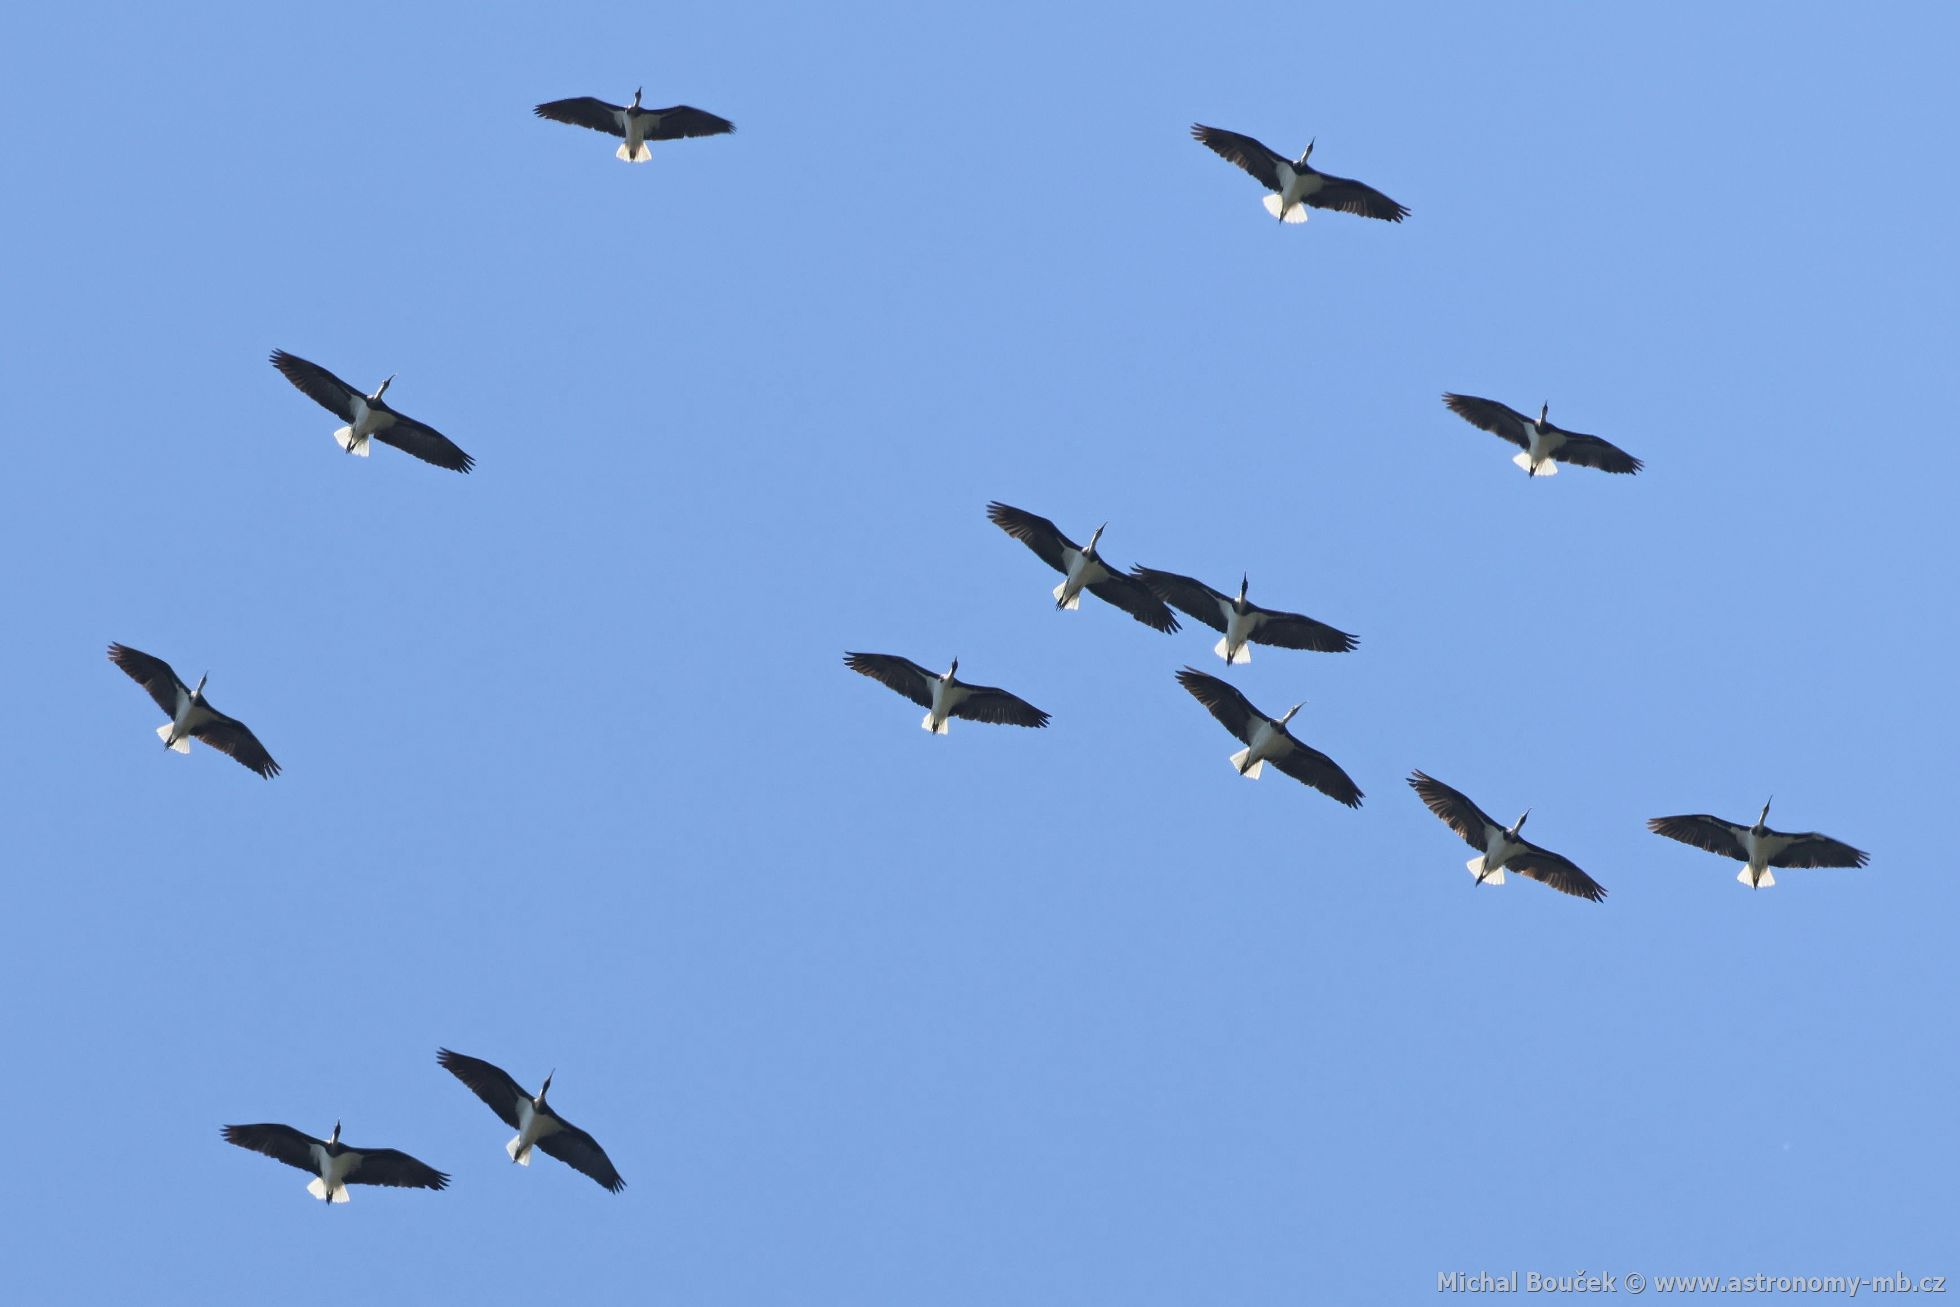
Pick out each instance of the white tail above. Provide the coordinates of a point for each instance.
(181, 746)
(345, 439)
(636, 154)
(1763, 882)
(1250, 773)
(1546, 468)
(318, 1188)
(1233, 656)
(1476, 866)
(1296, 214)
(521, 1156)
(1070, 604)
(936, 727)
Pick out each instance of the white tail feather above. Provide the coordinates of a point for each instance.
(638, 154)
(1240, 655)
(181, 746)
(1765, 882)
(1070, 604)
(1250, 773)
(318, 1188)
(1476, 866)
(936, 727)
(1545, 468)
(521, 1156)
(345, 439)
(1296, 214)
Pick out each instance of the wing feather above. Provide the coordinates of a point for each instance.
(683, 120)
(584, 111)
(1815, 850)
(1458, 813)
(1313, 768)
(281, 1143)
(1703, 832)
(150, 672)
(490, 1083)
(1591, 451)
(1256, 158)
(317, 384)
(232, 737)
(1345, 195)
(425, 442)
(1561, 873)
(582, 1153)
(1232, 709)
(893, 672)
(1136, 599)
(1498, 419)
(987, 703)
(1187, 594)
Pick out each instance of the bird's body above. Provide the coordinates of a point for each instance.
(369, 417)
(191, 714)
(635, 124)
(1082, 568)
(945, 697)
(1295, 184)
(1543, 445)
(538, 1125)
(1757, 847)
(1241, 621)
(1267, 739)
(335, 1165)
(1500, 846)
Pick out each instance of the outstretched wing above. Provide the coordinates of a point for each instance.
(425, 442)
(1346, 195)
(582, 1153)
(394, 1168)
(677, 121)
(1136, 599)
(1458, 813)
(1561, 873)
(1187, 594)
(1247, 153)
(281, 1143)
(1313, 768)
(1591, 451)
(490, 1083)
(150, 672)
(1498, 419)
(986, 703)
(317, 384)
(1704, 832)
(230, 736)
(1814, 850)
(584, 111)
(1296, 631)
(900, 674)
(1037, 533)
(1232, 709)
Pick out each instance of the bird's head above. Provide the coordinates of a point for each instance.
(1765, 813)
(950, 670)
(334, 1138)
(636, 95)
(198, 693)
(382, 389)
(545, 1088)
(1290, 711)
(1245, 582)
(1543, 410)
(1520, 822)
(1308, 153)
(1095, 536)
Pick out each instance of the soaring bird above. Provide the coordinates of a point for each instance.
(368, 417)
(945, 696)
(1544, 445)
(1082, 568)
(637, 125)
(191, 714)
(1242, 621)
(1267, 739)
(1501, 846)
(1757, 847)
(537, 1125)
(335, 1165)
(1296, 184)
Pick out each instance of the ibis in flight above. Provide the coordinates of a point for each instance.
(1544, 446)
(191, 714)
(537, 1125)
(1295, 184)
(368, 417)
(336, 1165)
(1242, 622)
(637, 125)
(1082, 568)
(945, 696)
(1501, 846)
(1757, 847)
(1267, 740)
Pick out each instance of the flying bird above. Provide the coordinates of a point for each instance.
(945, 696)
(537, 1125)
(1501, 846)
(191, 714)
(1544, 445)
(637, 125)
(1757, 847)
(368, 417)
(1082, 568)
(1295, 183)
(335, 1165)
(1267, 740)
(1242, 622)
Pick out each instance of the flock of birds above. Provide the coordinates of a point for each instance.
(1146, 594)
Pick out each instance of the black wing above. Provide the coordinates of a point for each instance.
(584, 111)
(581, 1152)
(230, 736)
(1704, 832)
(491, 1084)
(152, 673)
(900, 674)
(1346, 195)
(1458, 813)
(1295, 631)
(1037, 533)
(317, 384)
(281, 1143)
(1814, 850)
(986, 703)
(1136, 599)
(1313, 768)
(425, 442)
(1247, 153)
(1233, 710)
(1561, 873)
(1591, 451)
(677, 121)
(394, 1168)
(1187, 594)
(1498, 419)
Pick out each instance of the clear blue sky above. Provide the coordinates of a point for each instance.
(575, 778)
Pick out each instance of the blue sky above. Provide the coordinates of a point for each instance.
(575, 779)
